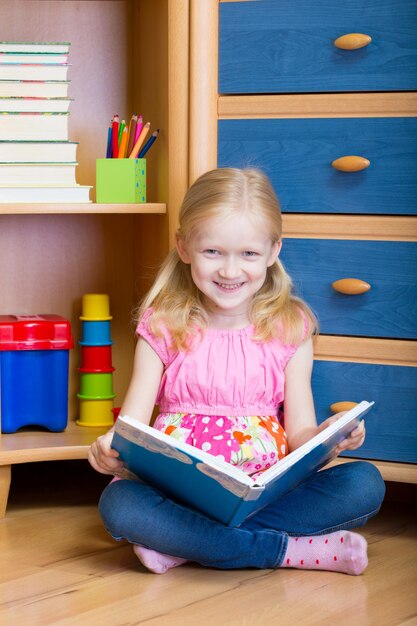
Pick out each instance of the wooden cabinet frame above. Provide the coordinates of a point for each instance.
(132, 54)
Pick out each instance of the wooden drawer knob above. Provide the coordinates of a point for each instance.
(336, 407)
(351, 286)
(352, 41)
(351, 163)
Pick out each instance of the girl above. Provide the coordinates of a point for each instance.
(225, 350)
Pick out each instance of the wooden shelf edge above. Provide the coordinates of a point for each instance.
(31, 446)
(73, 443)
(390, 471)
(34, 447)
(63, 453)
(86, 208)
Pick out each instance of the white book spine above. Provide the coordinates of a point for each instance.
(25, 46)
(34, 88)
(33, 195)
(33, 173)
(34, 105)
(38, 151)
(15, 71)
(34, 126)
(34, 57)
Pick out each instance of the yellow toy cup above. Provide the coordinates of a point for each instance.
(95, 413)
(95, 307)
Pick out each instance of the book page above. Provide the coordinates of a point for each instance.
(324, 436)
(157, 441)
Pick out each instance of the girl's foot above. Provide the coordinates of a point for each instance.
(155, 561)
(342, 551)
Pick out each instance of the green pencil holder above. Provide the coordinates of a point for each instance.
(120, 181)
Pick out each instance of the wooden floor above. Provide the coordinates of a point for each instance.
(58, 566)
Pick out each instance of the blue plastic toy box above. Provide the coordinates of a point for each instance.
(34, 360)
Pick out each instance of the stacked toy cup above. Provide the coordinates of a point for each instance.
(96, 371)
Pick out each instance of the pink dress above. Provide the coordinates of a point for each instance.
(224, 394)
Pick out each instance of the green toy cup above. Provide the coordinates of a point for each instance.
(96, 386)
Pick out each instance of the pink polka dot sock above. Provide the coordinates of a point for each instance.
(156, 562)
(342, 551)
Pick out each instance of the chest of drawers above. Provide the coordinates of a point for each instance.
(285, 98)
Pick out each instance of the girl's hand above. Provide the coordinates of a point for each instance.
(355, 439)
(102, 457)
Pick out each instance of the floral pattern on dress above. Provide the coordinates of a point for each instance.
(252, 443)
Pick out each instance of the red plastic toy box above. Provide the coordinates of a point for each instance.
(34, 358)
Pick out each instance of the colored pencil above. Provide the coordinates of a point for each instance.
(109, 141)
(148, 144)
(123, 144)
(132, 133)
(121, 127)
(139, 142)
(139, 127)
(115, 136)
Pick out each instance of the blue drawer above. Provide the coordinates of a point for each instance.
(297, 154)
(388, 309)
(391, 425)
(273, 46)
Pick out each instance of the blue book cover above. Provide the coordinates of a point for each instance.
(223, 492)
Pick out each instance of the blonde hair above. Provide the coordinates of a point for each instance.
(177, 302)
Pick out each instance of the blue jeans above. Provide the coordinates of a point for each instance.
(341, 497)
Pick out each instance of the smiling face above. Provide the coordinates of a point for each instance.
(229, 258)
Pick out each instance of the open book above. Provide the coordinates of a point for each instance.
(224, 492)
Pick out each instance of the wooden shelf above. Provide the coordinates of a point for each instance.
(68, 209)
(26, 446)
(73, 443)
(30, 446)
(52, 255)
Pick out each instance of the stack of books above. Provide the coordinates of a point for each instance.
(37, 160)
